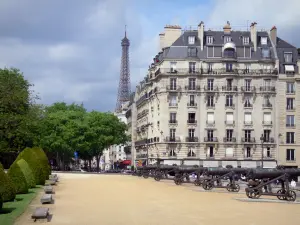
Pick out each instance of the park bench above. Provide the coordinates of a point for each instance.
(46, 198)
(48, 189)
(40, 213)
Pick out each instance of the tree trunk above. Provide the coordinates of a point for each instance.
(98, 162)
(90, 165)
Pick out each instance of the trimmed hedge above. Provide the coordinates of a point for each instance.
(34, 163)
(7, 189)
(18, 178)
(27, 173)
(44, 159)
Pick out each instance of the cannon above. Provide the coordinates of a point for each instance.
(163, 171)
(182, 174)
(148, 171)
(213, 176)
(260, 181)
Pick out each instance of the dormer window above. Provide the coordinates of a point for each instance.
(265, 53)
(227, 39)
(246, 40)
(263, 41)
(209, 39)
(191, 40)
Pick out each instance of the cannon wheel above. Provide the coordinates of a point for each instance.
(146, 175)
(157, 178)
(233, 187)
(281, 192)
(291, 197)
(197, 183)
(207, 185)
(255, 194)
(178, 181)
(248, 194)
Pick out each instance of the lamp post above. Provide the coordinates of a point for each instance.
(262, 139)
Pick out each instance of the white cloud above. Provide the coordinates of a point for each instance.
(66, 51)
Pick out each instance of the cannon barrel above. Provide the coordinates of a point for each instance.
(191, 169)
(272, 173)
(166, 167)
(216, 171)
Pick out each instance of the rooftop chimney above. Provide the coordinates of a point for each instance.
(253, 33)
(273, 35)
(161, 41)
(172, 33)
(201, 34)
(227, 28)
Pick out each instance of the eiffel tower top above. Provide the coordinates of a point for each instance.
(125, 40)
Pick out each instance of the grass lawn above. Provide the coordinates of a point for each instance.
(12, 210)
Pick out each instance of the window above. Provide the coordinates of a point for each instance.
(290, 88)
(192, 67)
(246, 40)
(192, 52)
(210, 151)
(247, 67)
(263, 40)
(209, 39)
(229, 84)
(173, 100)
(267, 118)
(173, 67)
(172, 153)
(191, 133)
(247, 103)
(248, 152)
(173, 83)
(290, 120)
(265, 53)
(192, 83)
(290, 155)
(229, 100)
(229, 118)
(290, 137)
(210, 84)
(210, 118)
(229, 53)
(191, 117)
(210, 135)
(290, 103)
(191, 153)
(267, 83)
(248, 118)
(247, 85)
(229, 152)
(228, 67)
(172, 117)
(192, 100)
(227, 39)
(229, 133)
(191, 40)
(172, 134)
(267, 152)
(267, 102)
(210, 101)
(267, 135)
(247, 135)
(210, 67)
(288, 57)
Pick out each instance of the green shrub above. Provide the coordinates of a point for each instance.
(44, 159)
(18, 178)
(27, 173)
(7, 189)
(35, 165)
(1, 202)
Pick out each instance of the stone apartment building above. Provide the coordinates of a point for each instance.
(217, 98)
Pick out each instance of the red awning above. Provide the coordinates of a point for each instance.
(126, 162)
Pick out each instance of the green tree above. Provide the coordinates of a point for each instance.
(103, 130)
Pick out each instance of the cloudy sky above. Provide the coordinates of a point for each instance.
(70, 49)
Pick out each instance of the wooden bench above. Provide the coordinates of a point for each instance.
(40, 213)
(46, 199)
(48, 190)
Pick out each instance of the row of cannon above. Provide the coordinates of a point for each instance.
(259, 181)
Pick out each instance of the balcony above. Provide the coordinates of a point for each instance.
(229, 88)
(248, 105)
(177, 71)
(290, 108)
(267, 123)
(267, 89)
(192, 121)
(191, 139)
(210, 139)
(248, 140)
(173, 121)
(191, 104)
(211, 88)
(210, 106)
(248, 123)
(172, 139)
(231, 106)
(290, 125)
(172, 104)
(229, 139)
(252, 72)
(210, 123)
(141, 142)
(173, 88)
(248, 89)
(192, 88)
(267, 106)
(269, 140)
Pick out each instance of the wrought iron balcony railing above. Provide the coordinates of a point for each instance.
(191, 139)
(210, 139)
(229, 139)
(248, 140)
